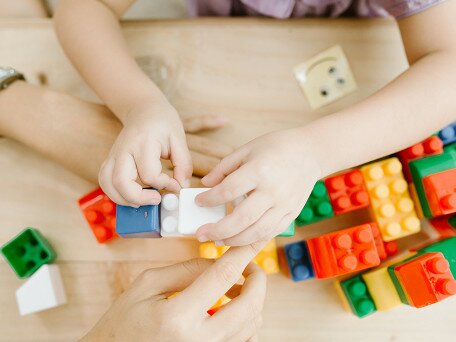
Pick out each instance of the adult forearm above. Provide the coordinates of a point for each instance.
(90, 34)
(413, 106)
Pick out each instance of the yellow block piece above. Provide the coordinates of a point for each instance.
(382, 289)
(416, 201)
(208, 250)
(267, 259)
(341, 295)
(391, 204)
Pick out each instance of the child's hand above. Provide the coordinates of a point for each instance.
(143, 312)
(277, 173)
(150, 132)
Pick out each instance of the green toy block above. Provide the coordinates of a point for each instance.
(358, 296)
(424, 167)
(447, 247)
(318, 207)
(290, 230)
(27, 252)
(452, 221)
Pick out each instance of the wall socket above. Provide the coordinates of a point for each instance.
(326, 77)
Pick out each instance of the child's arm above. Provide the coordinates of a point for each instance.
(90, 34)
(278, 170)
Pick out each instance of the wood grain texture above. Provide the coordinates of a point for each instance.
(240, 68)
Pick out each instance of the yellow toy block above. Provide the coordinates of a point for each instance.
(416, 201)
(392, 207)
(208, 250)
(267, 259)
(381, 289)
(341, 295)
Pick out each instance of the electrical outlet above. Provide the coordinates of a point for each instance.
(326, 77)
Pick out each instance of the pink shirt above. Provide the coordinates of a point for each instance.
(309, 8)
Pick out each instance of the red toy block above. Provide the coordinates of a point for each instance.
(100, 213)
(426, 279)
(382, 254)
(443, 227)
(428, 147)
(343, 252)
(391, 248)
(440, 189)
(347, 192)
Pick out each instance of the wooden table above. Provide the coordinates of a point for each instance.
(240, 68)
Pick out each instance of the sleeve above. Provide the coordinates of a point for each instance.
(404, 8)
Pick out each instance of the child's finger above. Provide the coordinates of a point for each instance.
(181, 160)
(217, 279)
(237, 184)
(245, 214)
(264, 229)
(207, 146)
(105, 181)
(226, 166)
(124, 180)
(245, 308)
(204, 122)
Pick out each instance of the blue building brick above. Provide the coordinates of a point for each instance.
(298, 261)
(142, 222)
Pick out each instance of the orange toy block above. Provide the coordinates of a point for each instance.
(382, 254)
(428, 147)
(391, 204)
(343, 252)
(440, 189)
(347, 192)
(426, 279)
(443, 226)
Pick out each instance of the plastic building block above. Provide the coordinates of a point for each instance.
(169, 215)
(430, 146)
(416, 201)
(290, 230)
(379, 243)
(43, 290)
(343, 252)
(347, 192)
(392, 206)
(445, 225)
(267, 259)
(142, 222)
(421, 168)
(358, 296)
(318, 206)
(447, 247)
(426, 279)
(448, 134)
(208, 250)
(341, 295)
(192, 216)
(440, 190)
(27, 251)
(298, 261)
(381, 288)
(391, 248)
(392, 274)
(100, 213)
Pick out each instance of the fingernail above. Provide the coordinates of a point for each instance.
(202, 238)
(219, 243)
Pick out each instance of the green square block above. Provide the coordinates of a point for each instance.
(424, 167)
(290, 230)
(447, 247)
(318, 207)
(358, 296)
(452, 221)
(27, 252)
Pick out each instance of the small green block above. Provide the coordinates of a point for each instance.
(27, 252)
(424, 167)
(447, 247)
(290, 230)
(358, 296)
(318, 207)
(452, 221)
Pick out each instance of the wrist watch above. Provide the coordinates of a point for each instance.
(9, 75)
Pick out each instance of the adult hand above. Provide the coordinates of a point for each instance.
(145, 313)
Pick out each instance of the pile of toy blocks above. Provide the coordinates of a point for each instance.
(419, 182)
(30, 256)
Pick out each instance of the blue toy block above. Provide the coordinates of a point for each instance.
(142, 222)
(298, 261)
(448, 134)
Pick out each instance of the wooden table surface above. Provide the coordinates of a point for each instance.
(240, 68)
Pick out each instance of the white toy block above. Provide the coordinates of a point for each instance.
(192, 216)
(43, 290)
(169, 215)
